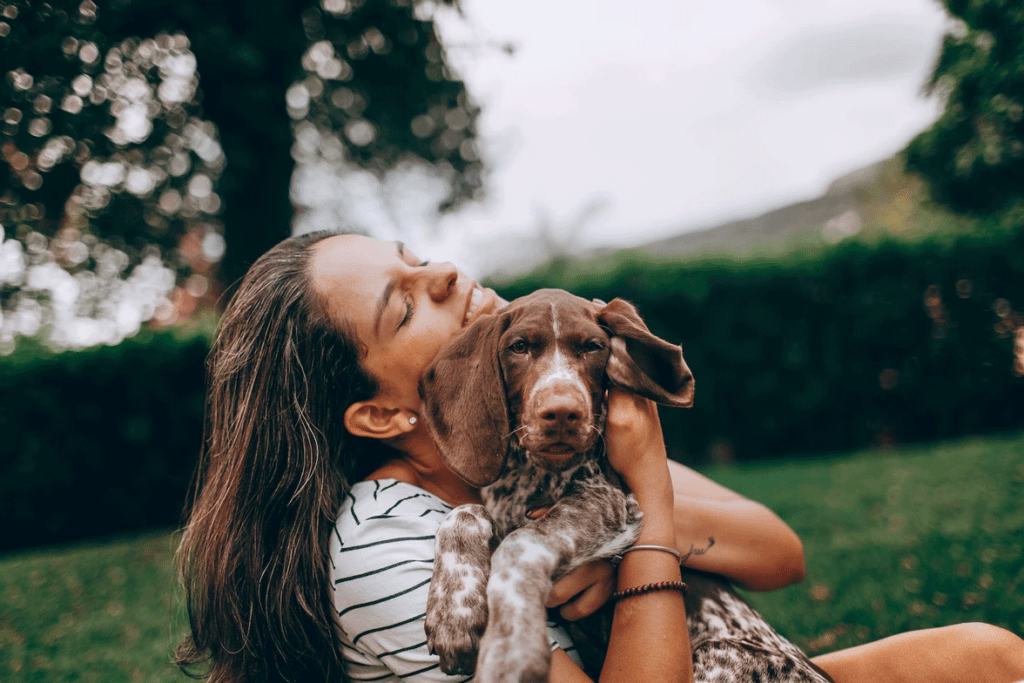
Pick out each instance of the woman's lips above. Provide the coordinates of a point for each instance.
(480, 301)
(474, 302)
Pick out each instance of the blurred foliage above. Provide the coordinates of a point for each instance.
(848, 347)
(98, 441)
(896, 541)
(878, 203)
(165, 128)
(973, 156)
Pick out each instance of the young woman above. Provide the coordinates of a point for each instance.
(309, 546)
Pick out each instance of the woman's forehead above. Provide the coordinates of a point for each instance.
(347, 259)
(350, 271)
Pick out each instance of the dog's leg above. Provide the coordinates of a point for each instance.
(457, 599)
(515, 646)
(579, 528)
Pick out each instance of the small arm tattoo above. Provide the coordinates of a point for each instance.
(697, 551)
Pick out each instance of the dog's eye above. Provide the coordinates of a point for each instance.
(591, 346)
(519, 347)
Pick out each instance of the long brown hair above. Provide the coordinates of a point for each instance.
(254, 559)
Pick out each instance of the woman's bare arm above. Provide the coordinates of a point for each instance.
(752, 546)
(649, 639)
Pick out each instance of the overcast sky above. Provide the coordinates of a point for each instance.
(639, 120)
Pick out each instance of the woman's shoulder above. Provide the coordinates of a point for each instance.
(382, 520)
(388, 499)
(382, 557)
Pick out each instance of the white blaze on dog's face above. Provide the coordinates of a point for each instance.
(553, 361)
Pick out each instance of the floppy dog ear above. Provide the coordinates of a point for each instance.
(642, 363)
(464, 403)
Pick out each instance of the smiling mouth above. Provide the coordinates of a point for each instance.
(474, 303)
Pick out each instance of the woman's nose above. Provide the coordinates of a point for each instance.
(442, 278)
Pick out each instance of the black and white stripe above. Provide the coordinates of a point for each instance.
(382, 554)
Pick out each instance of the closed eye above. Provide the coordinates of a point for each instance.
(410, 307)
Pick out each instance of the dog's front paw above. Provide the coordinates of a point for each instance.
(454, 636)
(514, 658)
(457, 599)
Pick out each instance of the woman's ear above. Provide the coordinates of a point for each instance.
(376, 421)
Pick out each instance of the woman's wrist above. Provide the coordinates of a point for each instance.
(642, 567)
(653, 491)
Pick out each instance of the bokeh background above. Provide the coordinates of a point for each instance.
(823, 202)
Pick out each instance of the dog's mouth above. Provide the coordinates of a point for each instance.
(556, 446)
(558, 451)
(556, 457)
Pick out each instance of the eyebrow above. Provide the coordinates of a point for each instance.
(389, 288)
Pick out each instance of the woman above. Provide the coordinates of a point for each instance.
(313, 409)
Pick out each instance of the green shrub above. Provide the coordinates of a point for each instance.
(852, 347)
(98, 441)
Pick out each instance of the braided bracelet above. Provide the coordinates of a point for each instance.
(651, 588)
(663, 548)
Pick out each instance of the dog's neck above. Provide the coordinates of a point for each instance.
(525, 486)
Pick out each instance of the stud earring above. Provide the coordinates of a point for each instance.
(412, 420)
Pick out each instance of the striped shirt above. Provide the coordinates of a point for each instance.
(382, 554)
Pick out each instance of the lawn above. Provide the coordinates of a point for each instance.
(894, 540)
(897, 540)
(107, 613)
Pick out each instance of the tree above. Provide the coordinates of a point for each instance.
(973, 156)
(163, 129)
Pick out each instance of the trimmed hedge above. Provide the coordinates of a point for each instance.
(99, 441)
(852, 347)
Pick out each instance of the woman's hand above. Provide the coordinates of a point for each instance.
(582, 591)
(636, 450)
(635, 445)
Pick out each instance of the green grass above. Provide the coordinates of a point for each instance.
(106, 613)
(898, 540)
(894, 541)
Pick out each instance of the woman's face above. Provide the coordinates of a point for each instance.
(401, 309)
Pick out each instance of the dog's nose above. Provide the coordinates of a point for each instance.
(559, 409)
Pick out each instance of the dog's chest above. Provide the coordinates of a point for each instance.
(525, 487)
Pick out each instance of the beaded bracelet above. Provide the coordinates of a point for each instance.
(651, 588)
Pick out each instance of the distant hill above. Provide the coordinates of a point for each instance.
(880, 199)
(794, 222)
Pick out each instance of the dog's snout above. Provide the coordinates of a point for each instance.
(559, 412)
(560, 407)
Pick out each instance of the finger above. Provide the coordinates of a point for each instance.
(575, 582)
(537, 513)
(565, 589)
(580, 580)
(588, 602)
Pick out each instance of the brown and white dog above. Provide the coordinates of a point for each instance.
(516, 406)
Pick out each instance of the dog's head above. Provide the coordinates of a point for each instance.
(537, 371)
